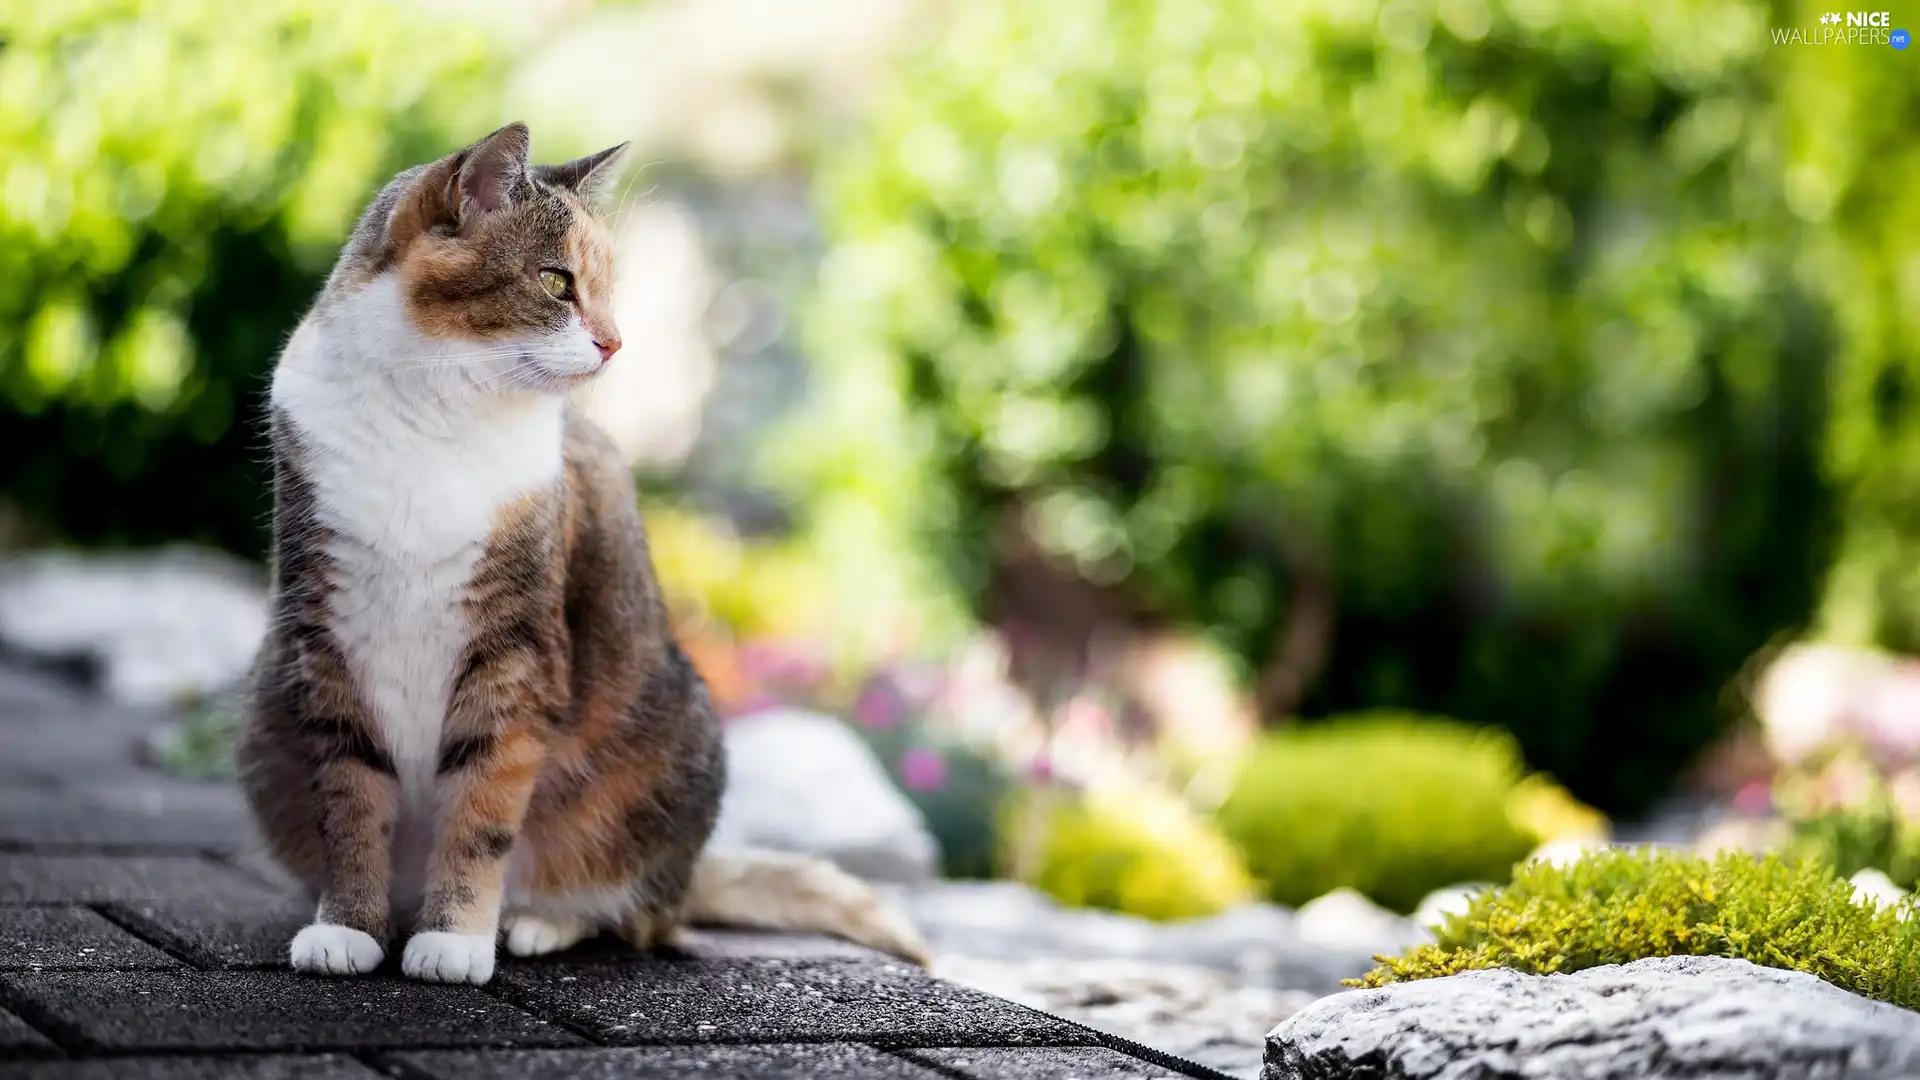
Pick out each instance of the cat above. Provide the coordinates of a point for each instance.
(470, 714)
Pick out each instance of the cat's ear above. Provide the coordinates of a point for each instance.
(586, 177)
(492, 173)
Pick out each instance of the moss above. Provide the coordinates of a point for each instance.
(1616, 906)
(1391, 804)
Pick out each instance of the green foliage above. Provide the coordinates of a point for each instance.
(1481, 316)
(1854, 169)
(1848, 814)
(1135, 850)
(1393, 806)
(1855, 838)
(1613, 907)
(175, 179)
(200, 745)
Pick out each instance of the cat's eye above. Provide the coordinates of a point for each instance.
(558, 283)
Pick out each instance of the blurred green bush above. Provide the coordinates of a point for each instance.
(1614, 907)
(1129, 848)
(1392, 805)
(1853, 168)
(175, 179)
(1479, 317)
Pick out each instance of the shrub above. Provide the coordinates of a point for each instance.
(1850, 811)
(1390, 804)
(748, 588)
(1480, 318)
(1133, 849)
(177, 179)
(1853, 168)
(1613, 907)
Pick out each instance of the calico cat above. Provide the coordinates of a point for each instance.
(470, 712)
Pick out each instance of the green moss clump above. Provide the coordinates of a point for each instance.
(1617, 906)
(1390, 804)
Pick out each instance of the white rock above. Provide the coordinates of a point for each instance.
(802, 781)
(161, 624)
(1874, 887)
(1563, 852)
(1662, 1019)
(1440, 903)
(1199, 1014)
(1345, 919)
(1004, 920)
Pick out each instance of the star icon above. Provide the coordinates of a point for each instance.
(1829, 17)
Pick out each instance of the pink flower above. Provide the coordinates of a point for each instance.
(759, 701)
(1890, 716)
(1905, 789)
(788, 663)
(879, 706)
(1754, 799)
(923, 770)
(1040, 769)
(1085, 718)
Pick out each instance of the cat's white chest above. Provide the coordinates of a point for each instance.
(410, 490)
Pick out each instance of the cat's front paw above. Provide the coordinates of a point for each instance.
(328, 949)
(438, 956)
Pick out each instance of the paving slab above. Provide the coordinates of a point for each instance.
(220, 931)
(135, 813)
(749, 944)
(18, 1039)
(130, 1012)
(1040, 1063)
(316, 1067)
(652, 999)
(830, 1061)
(67, 878)
(72, 939)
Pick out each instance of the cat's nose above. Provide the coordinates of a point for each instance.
(607, 348)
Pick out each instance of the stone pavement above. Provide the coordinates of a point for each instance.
(141, 938)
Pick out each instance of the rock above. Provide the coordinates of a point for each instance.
(1345, 919)
(1755, 836)
(1677, 1016)
(149, 627)
(1005, 920)
(1196, 1013)
(804, 782)
(1875, 887)
(1562, 852)
(1440, 903)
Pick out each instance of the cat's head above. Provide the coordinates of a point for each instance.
(492, 251)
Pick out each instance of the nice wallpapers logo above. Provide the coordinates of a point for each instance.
(1847, 28)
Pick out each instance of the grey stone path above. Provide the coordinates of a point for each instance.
(140, 937)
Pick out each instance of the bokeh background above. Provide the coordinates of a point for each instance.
(1206, 448)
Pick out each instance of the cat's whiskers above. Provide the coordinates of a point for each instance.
(497, 381)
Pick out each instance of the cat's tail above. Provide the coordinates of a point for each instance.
(769, 890)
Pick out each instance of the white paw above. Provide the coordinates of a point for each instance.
(531, 935)
(438, 956)
(326, 949)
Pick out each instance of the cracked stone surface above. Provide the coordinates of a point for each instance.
(1670, 1017)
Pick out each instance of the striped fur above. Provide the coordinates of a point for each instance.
(470, 713)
